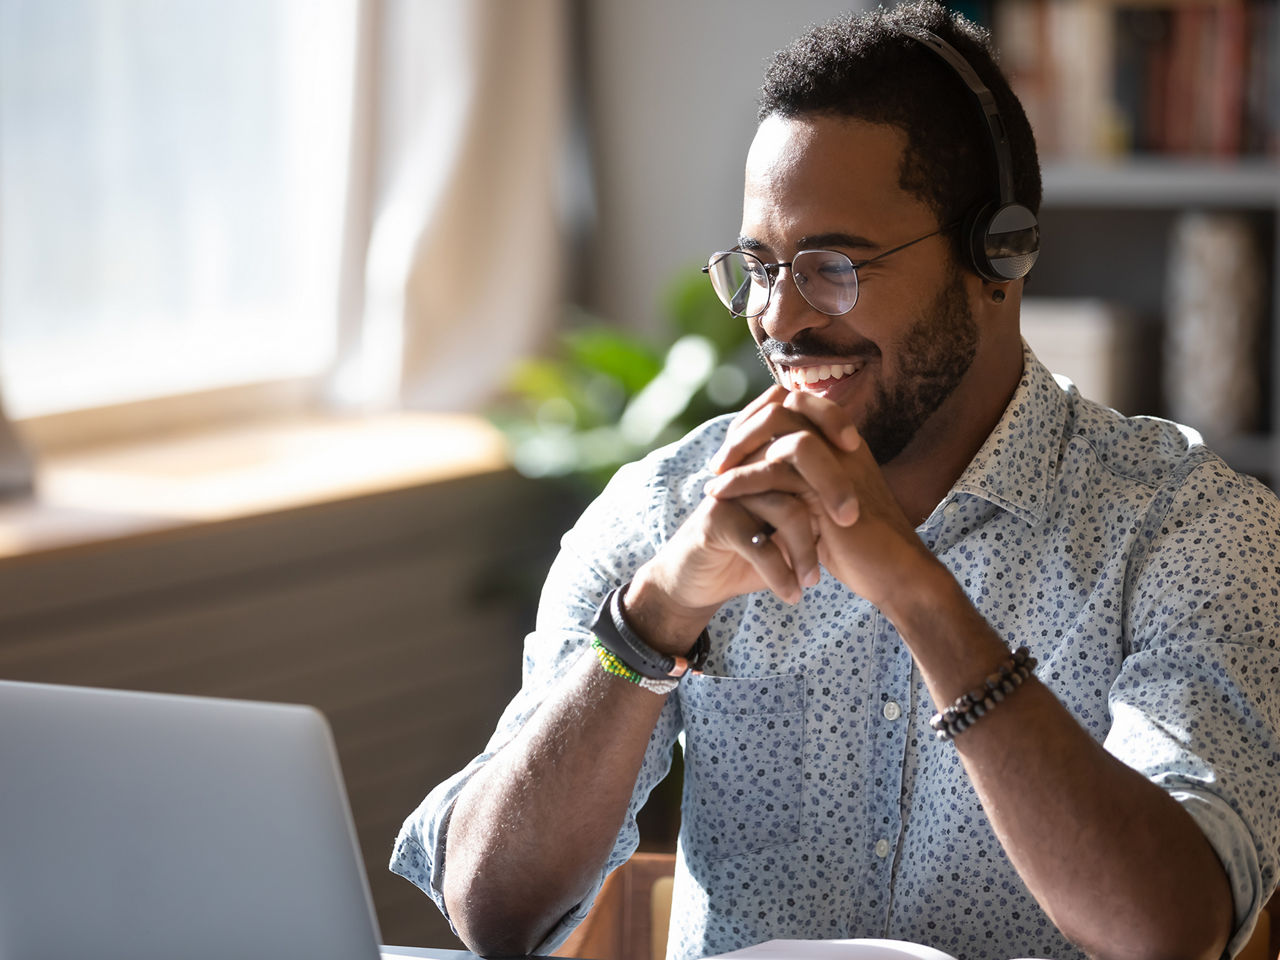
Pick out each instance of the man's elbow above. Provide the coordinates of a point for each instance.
(1200, 932)
(498, 936)
(1165, 946)
(496, 924)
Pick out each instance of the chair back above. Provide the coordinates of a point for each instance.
(632, 914)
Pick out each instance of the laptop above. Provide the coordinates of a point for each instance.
(154, 827)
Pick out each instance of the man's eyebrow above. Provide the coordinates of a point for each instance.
(821, 240)
(817, 241)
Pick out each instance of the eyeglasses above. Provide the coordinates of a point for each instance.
(827, 279)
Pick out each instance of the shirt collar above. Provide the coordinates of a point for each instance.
(1016, 465)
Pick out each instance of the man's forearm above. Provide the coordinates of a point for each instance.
(1117, 864)
(532, 829)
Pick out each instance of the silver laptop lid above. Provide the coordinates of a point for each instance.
(153, 827)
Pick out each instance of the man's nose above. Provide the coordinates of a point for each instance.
(788, 312)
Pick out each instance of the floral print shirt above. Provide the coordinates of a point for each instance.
(1143, 573)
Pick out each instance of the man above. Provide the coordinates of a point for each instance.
(864, 544)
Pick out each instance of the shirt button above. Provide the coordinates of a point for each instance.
(892, 711)
(951, 509)
(882, 848)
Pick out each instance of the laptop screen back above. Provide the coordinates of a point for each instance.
(153, 827)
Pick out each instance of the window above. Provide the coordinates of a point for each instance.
(172, 185)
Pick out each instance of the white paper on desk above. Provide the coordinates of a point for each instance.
(835, 950)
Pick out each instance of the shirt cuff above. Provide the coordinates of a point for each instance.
(1233, 844)
(419, 855)
(419, 851)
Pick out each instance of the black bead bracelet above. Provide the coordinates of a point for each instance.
(978, 702)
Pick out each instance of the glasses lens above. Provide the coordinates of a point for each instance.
(827, 280)
(741, 282)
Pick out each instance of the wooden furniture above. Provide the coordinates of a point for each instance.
(632, 914)
(1265, 942)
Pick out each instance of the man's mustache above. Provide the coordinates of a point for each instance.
(809, 344)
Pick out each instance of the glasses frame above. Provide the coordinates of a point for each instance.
(771, 271)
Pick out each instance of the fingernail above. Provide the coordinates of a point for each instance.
(713, 486)
(850, 438)
(847, 511)
(812, 577)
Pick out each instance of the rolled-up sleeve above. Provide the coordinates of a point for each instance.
(1196, 707)
(617, 533)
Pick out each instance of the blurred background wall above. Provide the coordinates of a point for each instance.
(669, 91)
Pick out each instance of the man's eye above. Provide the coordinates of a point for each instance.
(835, 271)
(756, 271)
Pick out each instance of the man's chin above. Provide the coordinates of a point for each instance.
(885, 433)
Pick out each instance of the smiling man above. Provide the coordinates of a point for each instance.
(977, 663)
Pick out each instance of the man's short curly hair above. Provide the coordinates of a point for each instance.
(867, 68)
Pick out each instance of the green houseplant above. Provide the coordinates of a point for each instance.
(607, 396)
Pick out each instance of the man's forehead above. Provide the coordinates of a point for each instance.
(782, 143)
(822, 173)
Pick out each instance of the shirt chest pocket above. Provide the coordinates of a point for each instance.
(743, 759)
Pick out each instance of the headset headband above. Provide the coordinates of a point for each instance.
(986, 100)
(1002, 239)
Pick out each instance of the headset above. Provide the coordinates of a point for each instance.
(1001, 237)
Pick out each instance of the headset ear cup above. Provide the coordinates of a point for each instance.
(973, 235)
(1002, 241)
(1010, 242)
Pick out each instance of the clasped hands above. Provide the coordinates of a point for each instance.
(793, 462)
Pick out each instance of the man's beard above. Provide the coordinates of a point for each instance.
(933, 356)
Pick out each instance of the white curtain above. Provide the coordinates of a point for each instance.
(454, 257)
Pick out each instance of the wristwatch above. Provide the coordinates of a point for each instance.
(615, 634)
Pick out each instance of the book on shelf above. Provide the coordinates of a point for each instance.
(1215, 306)
(1093, 343)
(1102, 79)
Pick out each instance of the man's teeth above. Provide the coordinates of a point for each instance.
(805, 375)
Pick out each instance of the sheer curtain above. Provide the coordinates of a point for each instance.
(454, 259)
(451, 247)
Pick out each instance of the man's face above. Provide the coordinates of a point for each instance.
(897, 357)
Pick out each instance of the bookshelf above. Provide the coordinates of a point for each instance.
(1106, 234)
(1164, 182)
(1133, 138)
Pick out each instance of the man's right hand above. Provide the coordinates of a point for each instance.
(712, 557)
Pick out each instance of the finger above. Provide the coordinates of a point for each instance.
(742, 528)
(819, 467)
(795, 412)
(830, 418)
(753, 433)
(773, 395)
(793, 532)
(802, 464)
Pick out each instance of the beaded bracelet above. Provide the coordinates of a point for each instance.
(978, 702)
(614, 665)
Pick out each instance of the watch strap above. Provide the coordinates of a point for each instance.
(616, 636)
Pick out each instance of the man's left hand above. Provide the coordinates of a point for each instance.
(785, 445)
